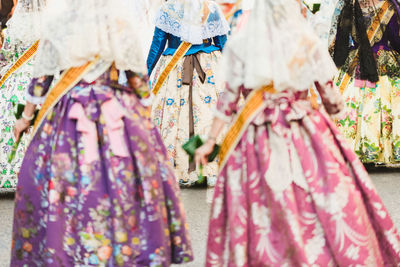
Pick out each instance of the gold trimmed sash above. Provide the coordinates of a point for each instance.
(385, 13)
(251, 108)
(67, 81)
(179, 53)
(26, 56)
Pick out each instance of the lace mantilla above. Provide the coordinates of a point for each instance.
(277, 46)
(75, 32)
(182, 18)
(322, 20)
(24, 25)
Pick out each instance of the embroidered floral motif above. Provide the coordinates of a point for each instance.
(170, 101)
(340, 216)
(106, 211)
(368, 119)
(12, 93)
(173, 120)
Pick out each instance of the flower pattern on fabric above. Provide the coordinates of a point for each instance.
(10, 52)
(121, 208)
(331, 217)
(12, 93)
(170, 102)
(170, 113)
(371, 121)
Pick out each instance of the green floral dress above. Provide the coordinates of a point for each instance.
(371, 119)
(12, 92)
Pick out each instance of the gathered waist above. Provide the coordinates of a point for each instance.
(284, 107)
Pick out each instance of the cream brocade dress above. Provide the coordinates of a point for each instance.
(170, 113)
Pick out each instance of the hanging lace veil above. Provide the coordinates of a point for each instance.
(24, 25)
(322, 20)
(75, 32)
(184, 19)
(278, 46)
(147, 11)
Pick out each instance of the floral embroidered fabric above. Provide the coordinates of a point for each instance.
(98, 177)
(170, 113)
(12, 93)
(293, 185)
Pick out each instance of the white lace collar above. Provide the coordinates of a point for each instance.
(182, 18)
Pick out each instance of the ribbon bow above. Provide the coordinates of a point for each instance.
(190, 64)
(113, 114)
(292, 106)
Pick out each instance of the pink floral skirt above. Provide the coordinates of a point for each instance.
(294, 194)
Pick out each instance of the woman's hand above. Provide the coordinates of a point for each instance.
(21, 126)
(202, 153)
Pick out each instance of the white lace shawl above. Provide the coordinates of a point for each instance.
(322, 20)
(278, 46)
(75, 32)
(183, 18)
(24, 25)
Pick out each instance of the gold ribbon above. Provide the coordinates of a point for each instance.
(67, 81)
(384, 14)
(26, 56)
(314, 98)
(253, 105)
(179, 53)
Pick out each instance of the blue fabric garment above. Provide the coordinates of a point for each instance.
(161, 38)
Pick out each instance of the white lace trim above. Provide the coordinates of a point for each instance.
(277, 46)
(24, 26)
(75, 32)
(36, 100)
(173, 18)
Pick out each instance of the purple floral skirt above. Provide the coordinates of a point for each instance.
(96, 188)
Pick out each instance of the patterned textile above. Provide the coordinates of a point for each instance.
(96, 188)
(294, 194)
(10, 52)
(371, 121)
(170, 112)
(12, 93)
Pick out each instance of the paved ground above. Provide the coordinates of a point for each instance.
(197, 205)
(6, 216)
